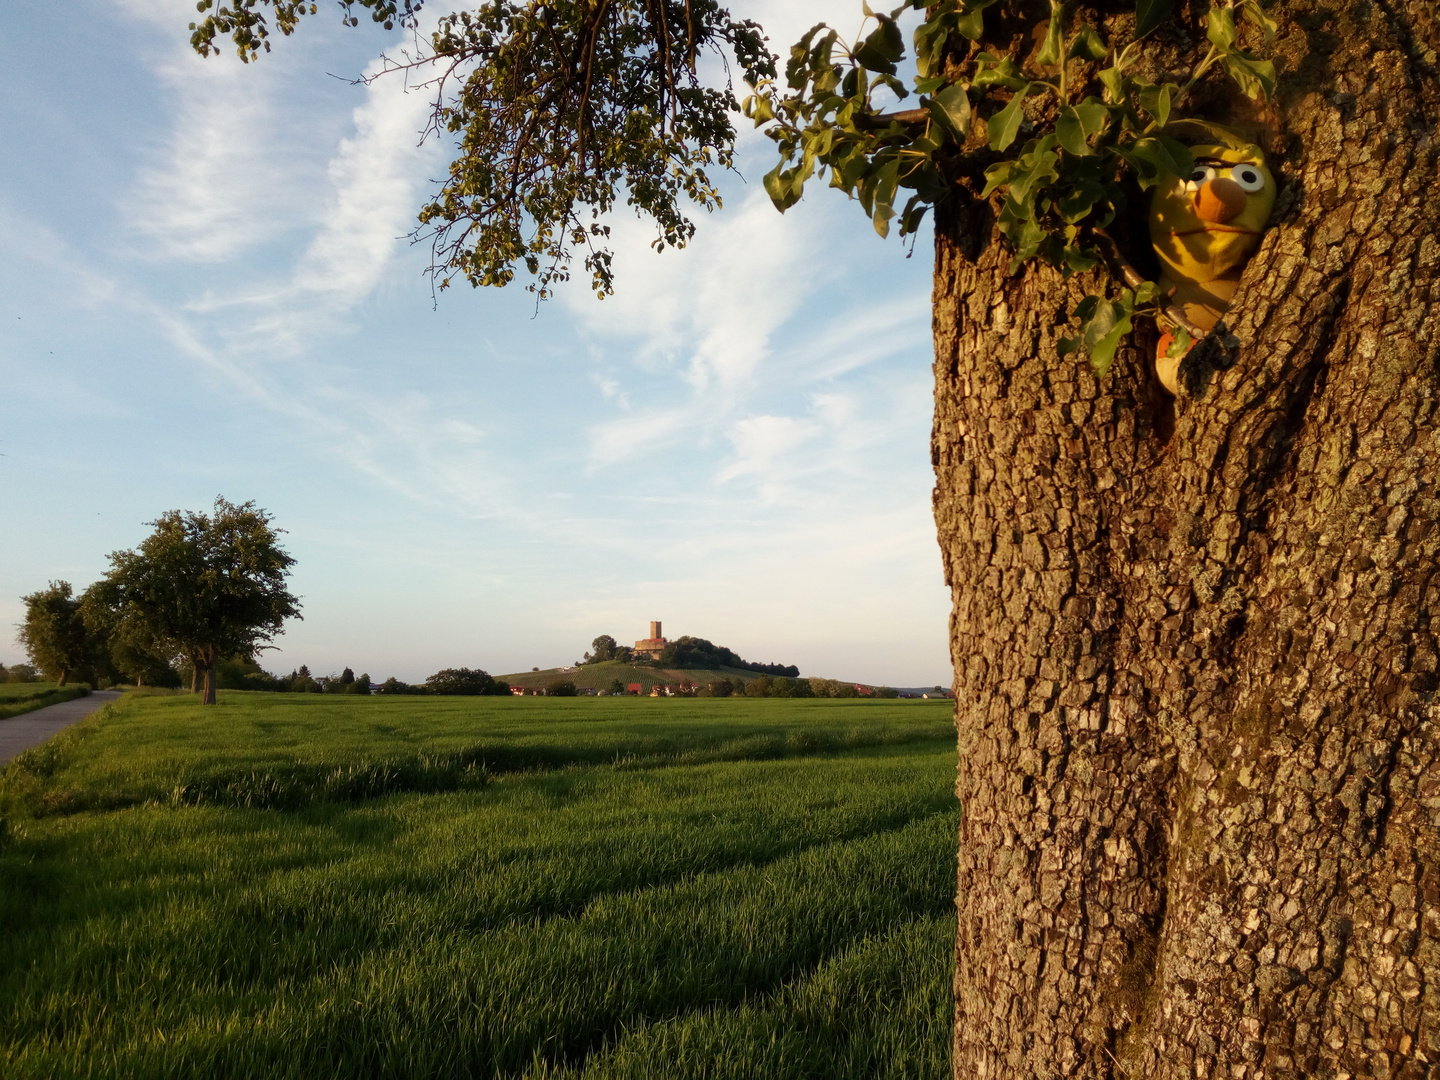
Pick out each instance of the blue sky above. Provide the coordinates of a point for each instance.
(206, 290)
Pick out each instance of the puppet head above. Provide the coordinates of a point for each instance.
(1207, 225)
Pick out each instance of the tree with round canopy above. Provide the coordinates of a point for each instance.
(203, 586)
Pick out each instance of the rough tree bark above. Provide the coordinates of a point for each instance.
(1195, 665)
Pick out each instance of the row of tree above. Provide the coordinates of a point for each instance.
(19, 673)
(465, 682)
(779, 686)
(683, 652)
(199, 589)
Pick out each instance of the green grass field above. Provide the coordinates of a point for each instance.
(14, 691)
(17, 698)
(303, 886)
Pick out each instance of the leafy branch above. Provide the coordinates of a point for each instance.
(560, 110)
(1058, 189)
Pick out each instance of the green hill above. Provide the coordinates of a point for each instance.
(600, 676)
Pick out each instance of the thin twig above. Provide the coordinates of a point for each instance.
(589, 68)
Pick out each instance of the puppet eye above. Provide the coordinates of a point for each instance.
(1248, 177)
(1202, 174)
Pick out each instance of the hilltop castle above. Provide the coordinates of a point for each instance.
(650, 648)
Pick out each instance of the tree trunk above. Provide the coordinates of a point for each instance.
(1195, 670)
(195, 669)
(60, 679)
(209, 698)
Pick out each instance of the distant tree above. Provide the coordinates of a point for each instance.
(624, 654)
(464, 681)
(722, 688)
(616, 686)
(785, 686)
(562, 688)
(205, 586)
(601, 650)
(243, 673)
(131, 653)
(22, 673)
(339, 684)
(361, 685)
(759, 687)
(694, 652)
(54, 632)
(393, 685)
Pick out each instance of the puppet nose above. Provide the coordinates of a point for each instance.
(1219, 200)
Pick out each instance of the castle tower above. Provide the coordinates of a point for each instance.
(650, 648)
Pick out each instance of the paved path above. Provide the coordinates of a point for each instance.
(29, 729)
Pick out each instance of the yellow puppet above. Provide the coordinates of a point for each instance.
(1205, 229)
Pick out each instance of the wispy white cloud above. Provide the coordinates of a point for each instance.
(231, 174)
(760, 440)
(711, 309)
(375, 176)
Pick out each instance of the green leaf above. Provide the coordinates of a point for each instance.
(952, 108)
(1255, 77)
(929, 39)
(1101, 320)
(1114, 83)
(913, 215)
(1157, 159)
(1156, 101)
(971, 25)
(1070, 130)
(1027, 236)
(1220, 28)
(1049, 54)
(997, 71)
(1078, 261)
(1102, 353)
(1179, 343)
(779, 186)
(1149, 14)
(997, 175)
(1040, 171)
(757, 108)
(883, 48)
(1075, 205)
(886, 181)
(1005, 124)
(1093, 115)
(1087, 45)
(1103, 327)
(1261, 18)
